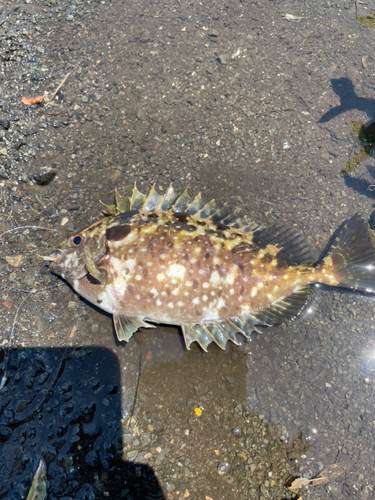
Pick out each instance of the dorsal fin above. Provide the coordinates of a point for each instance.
(137, 198)
(195, 205)
(182, 204)
(167, 200)
(152, 200)
(291, 243)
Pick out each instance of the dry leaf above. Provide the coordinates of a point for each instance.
(300, 482)
(29, 101)
(7, 305)
(149, 355)
(329, 474)
(15, 260)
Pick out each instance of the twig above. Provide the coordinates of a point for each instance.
(304, 40)
(48, 100)
(72, 332)
(29, 227)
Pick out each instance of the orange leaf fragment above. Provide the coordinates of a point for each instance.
(7, 305)
(30, 101)
(149, 356)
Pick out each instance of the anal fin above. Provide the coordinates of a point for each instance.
(125, 326)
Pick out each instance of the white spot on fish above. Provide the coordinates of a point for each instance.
(231, 275)
(231, 291)
(170, 305)
(205, 285)
(216, 261)
(138, 277)
(158, 302)
(253, 292)
(154, 292)
(160, 277)
(175, 291)
(188, 283)
(196, 300)
(245, 310)
(180, 304)
(176, 271)
(205, 298)
(215, 279)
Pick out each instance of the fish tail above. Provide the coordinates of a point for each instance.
(351, 257)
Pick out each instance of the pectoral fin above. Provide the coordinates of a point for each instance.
(125, 326)
(99, 273)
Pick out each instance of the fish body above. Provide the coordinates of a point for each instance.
(178, 260)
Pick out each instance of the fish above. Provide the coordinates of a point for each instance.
(177, 260)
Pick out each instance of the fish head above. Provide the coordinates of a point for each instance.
(73, 257)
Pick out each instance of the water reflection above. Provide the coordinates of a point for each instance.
(316, 376)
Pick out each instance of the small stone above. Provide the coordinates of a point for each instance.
(14, 260)
(213, 33)
(5, 124)
(132, 455)
(140, 114)
(72, 304)
(44, 175)
(106, 162)
(4, 152)
(19, 144)
(223, 59)
(4, 174)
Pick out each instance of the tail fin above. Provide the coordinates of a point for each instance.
(353, 255)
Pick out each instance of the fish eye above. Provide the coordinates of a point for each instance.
(77, 240)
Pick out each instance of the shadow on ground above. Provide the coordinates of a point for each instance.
(64, 405)
(349, 100)
(362, 185)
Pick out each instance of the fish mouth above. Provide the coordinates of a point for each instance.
(54, 257)
(59, 264)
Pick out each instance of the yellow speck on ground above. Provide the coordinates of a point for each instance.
(198, 412)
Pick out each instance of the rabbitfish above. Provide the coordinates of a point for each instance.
(178, 260)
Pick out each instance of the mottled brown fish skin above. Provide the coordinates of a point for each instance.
(176, 269)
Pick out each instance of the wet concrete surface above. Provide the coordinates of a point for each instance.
(252, 108)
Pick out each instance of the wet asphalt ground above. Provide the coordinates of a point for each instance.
(251, 107)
